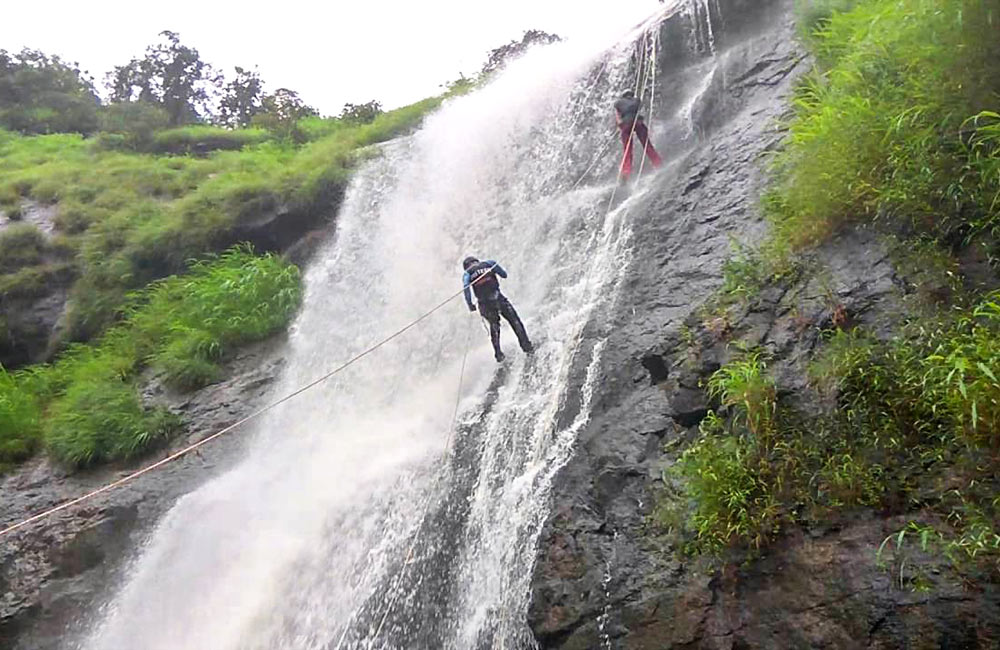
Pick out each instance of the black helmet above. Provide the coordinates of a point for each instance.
(469, 261)
(628, 94)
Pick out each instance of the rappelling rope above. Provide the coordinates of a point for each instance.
(192, 447)
(652, 97)
(627, 149)
(394, 591)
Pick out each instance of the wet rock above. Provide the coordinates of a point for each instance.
(53, 570)
(627, 589)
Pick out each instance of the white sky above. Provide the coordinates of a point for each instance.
(395, 51)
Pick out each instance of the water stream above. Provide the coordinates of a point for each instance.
(361, 517)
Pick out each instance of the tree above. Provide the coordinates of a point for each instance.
(281, 112)
(171, 75)
(43, 94)
(499, 57)
(361, 113)
(242, 98)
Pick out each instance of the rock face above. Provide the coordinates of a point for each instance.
(29, 324)
(603, 578)
(54, 571)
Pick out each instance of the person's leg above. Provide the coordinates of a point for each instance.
(490, 311)
(643, 134)
(626, 134)
(510, 314)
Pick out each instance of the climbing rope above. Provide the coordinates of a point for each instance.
(641, 92)
(652, 96)
(192, 447)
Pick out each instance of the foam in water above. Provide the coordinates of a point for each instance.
(349, 525)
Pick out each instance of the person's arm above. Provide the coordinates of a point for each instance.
(497, 268)
(466, 282)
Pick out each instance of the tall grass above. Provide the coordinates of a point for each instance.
(918, 411)
(20, 420)
(881, 131)
(181, 327)
(21, 245)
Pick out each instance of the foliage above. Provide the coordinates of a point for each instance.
(101, 418)
(202, 139)
(35, 281)
(881, 131)
(281, 113)
(171, 75)
(813, 14)
(219, 305)
(136, 218)
(748, 270)
(916, 411)
(361, 113)
(43, 94)
(181, 326)
(500, 56)
(131, 125)
(241, 98)
(19, 421)
(745, 386)
(21, 244)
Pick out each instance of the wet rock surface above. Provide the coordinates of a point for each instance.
(53, 571)
(30, 325)
(604, 577)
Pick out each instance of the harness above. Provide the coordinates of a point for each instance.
(487, 289)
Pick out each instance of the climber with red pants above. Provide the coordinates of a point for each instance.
(629, 121)
(481, 278)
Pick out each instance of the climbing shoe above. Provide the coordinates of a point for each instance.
(498, 356)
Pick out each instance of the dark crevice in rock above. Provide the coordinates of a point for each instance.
(656, 367)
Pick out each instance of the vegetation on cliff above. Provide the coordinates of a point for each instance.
(897, 129)
(144, 192)
(85, 407)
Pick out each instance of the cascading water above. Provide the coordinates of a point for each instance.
(352, 523)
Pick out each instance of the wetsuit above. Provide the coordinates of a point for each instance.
(629, 122)
(481, 278)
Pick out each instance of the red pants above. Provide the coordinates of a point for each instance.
(642, 133)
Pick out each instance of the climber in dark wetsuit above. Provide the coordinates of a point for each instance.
(481, 278)
(629, 121)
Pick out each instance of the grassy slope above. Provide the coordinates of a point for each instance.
(126, 219)
(132, 218)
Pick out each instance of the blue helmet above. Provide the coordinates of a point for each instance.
(469, 261)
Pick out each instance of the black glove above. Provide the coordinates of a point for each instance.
(472, 308)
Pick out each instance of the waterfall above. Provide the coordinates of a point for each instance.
(363, 516)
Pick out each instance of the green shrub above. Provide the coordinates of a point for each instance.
(101, 420)
(202, 139)
(182, 326)
(221, 304)
(733, 503)
(20, 421)
(878, 132)
(21, 244)
(813, 14)
(744, 386)
(131, 125)
(916, 411)
(35, 281)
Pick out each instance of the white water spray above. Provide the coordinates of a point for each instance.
(305, 544)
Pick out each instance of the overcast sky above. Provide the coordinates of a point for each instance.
(334, 52)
